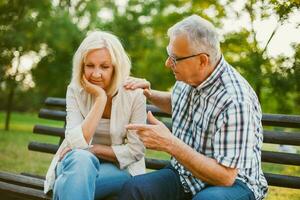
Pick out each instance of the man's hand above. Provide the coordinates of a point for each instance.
(93, 89)
(134, 83)
(155, 135)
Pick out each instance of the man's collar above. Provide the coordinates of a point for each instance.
(214, 76)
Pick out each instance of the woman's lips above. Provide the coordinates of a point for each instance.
(96, 82)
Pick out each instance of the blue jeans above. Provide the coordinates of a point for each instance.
(165, 184)
(81, 175)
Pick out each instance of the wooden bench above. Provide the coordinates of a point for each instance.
(24, 186)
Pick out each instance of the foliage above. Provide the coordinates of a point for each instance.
(264, 72)
(18, 25)
(54, 29)
(285, 83)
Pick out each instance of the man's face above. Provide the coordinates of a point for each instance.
(190, 70)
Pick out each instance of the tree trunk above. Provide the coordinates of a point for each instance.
(12, 84)
(9, 105)
(258, 92)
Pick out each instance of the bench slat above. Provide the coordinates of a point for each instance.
(43, 147)
(280, 158)
(283, 180)
(280, 137)
(33, 175)
(157, 112)
(292, 121)
(52, 114)
(267, 156)
(155, 163)
(273, 137)
(21, 180)
(54, 101)
(48, 130)
(21, 192)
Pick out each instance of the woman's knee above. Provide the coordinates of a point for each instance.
(81, 160)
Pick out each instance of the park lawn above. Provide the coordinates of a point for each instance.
(15, 157)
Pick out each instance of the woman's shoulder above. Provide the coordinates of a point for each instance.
(130, 94)
(75, 89)
(73, 86)
(77, 92)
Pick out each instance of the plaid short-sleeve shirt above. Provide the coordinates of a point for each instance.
(221, 119)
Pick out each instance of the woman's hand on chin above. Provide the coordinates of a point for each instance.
(93, 89)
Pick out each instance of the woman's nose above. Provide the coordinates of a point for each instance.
(97, 73)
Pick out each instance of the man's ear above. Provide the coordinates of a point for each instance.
(204, 60)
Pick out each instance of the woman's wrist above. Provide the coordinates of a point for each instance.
(101, 98)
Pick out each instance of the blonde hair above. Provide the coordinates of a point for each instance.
(120, 60)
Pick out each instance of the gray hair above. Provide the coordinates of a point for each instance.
(120, 60)
(201, 35)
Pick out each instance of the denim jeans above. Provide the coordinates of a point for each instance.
(165, 184)
(81, 175)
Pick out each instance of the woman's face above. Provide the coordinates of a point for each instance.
(98, 68)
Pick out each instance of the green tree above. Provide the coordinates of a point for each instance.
(67, 25)
(250, 57)
(142, 26)
(17, 38)
(286, 83)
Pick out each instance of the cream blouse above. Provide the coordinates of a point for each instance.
(128, 106)
(102, 134)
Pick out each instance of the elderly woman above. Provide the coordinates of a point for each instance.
(98, 154)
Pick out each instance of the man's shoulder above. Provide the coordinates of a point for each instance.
(236, 87)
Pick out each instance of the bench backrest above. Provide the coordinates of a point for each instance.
(55, 110)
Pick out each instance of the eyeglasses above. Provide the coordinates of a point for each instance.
(176, 59)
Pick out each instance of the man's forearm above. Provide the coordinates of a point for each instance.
(162, 100)
(202, 167)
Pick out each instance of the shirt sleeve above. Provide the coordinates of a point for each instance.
(134, 149)
(234, 139)
(74, 119)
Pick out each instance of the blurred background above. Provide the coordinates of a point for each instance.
(260, 38)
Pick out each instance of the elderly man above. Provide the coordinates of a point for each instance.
(217, 131)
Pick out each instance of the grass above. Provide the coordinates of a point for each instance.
(15, 157)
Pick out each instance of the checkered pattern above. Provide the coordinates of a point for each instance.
(221, 119)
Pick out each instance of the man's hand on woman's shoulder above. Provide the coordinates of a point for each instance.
(133, 83)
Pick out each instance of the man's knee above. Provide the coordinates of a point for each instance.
(234, 192)
(208, 195)
(132, 189)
